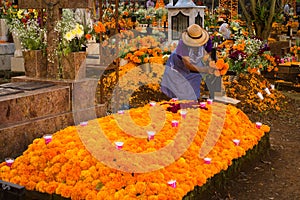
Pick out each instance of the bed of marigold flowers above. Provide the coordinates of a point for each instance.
(65, 166)
(133, 76)
(245, 87)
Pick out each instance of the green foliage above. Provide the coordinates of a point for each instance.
(31, 35)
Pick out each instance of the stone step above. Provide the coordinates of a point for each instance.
(6, 53)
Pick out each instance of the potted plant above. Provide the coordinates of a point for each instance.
(33, 43)
(71, 51)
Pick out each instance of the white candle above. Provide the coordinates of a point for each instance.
(260, 95)
(267, 91)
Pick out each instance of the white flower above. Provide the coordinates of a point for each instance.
(69, 36)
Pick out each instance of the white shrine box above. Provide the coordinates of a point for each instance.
(181, 15)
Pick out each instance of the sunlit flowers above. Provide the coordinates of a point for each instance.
(222, 67)
(245, 88)
(74, 33)
(248, 52)
(66, 167)
(99, 27)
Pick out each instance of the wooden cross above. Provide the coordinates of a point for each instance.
(54, 12)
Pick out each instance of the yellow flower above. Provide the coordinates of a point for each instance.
(79, 31)
(20, 14)
(235, 28)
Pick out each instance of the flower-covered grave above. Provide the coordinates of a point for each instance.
(82, 162)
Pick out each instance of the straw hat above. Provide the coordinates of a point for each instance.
(195, 36)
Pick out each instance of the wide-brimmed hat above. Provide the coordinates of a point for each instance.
(195, 36)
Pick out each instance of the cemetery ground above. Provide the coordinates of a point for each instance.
(276, 175)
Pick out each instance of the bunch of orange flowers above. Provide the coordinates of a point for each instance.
(222, 67)
(99, 27)
(295, 49)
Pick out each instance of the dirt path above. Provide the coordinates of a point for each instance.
(277, 174)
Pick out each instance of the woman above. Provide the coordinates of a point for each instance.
(187, 64)
(225, 30)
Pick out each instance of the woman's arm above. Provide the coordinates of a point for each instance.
(194, 68)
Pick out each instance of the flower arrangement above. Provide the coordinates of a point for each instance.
(25, 24)
(31, 35)
(98, 31)
(222, 67)
(216, 37)
(145, 16)
(7, 9)
(296, 48)
(11, 11)
(248, 52)
(66, 167)
(74, 35)
(161, 12)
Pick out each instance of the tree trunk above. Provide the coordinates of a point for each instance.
(261, 15)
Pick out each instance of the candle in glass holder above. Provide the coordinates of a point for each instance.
(172, 183)
(121, 112)
(152, 103)
(174, 99)
(151, 135)
(83, 123)
(209, 101)
(202, 104)
(236, 142)
(9, 161)
(267, 91)
(175, 123)
(260, 95)
(47, 138)
(272, 87)
(119, 145)
(207, 160)
(183, 113)
(258, 125)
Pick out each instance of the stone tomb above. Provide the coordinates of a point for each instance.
(31, 108)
